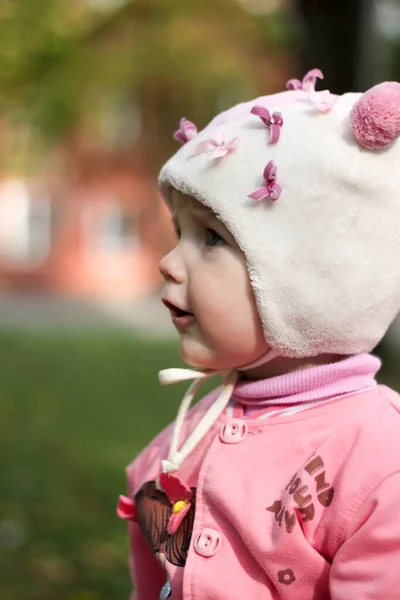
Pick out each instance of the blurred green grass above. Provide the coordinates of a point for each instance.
(74, 410)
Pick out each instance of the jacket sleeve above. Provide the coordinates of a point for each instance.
(366, 566)
(148, 576)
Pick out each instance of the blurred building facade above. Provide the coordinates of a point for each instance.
(99, 235)
(86, 219)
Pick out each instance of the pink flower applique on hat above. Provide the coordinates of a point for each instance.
(186, 132)
(274, 122)
(217, 145)
(375, 117)
(180, 495)
(270, 189)
(323, 101)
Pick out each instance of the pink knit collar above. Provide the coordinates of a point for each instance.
(319, 383)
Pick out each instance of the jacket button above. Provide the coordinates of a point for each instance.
(233, 431)
(207, 543)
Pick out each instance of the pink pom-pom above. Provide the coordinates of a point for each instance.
(375, 118)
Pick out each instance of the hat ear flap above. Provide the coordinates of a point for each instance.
(375, 118)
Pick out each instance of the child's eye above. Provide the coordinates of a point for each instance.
(213, 238)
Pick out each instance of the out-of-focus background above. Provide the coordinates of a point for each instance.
(90, 93)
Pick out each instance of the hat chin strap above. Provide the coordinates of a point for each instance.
(230, 377)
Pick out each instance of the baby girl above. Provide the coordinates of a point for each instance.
(282, 483)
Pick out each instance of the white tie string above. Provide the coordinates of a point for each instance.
(230, 377)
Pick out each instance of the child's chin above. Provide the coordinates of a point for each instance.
(196, 355)
(200, 356)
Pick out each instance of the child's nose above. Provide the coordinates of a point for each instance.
(172, 268)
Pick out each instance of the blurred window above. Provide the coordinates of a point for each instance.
(387, 49)
(25, 224)
(119, 122)
(106, 5)
(110, 227)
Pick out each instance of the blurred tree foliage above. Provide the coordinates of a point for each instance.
(40, 44)
(395, 60)
(59, 59)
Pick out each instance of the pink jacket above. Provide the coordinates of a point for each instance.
(300, 507)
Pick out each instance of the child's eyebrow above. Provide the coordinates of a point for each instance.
(196, 212)
(204, 213)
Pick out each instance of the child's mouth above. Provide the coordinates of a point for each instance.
(180, 317)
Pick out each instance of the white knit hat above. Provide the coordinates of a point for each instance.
(320, 226)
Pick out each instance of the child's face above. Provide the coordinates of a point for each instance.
(208, 291)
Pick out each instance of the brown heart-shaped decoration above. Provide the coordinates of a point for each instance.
(153, 512)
